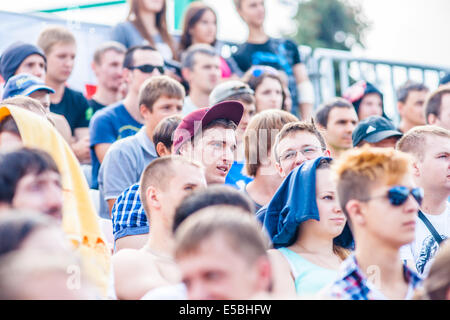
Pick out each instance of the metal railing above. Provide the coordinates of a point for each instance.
(333, 71)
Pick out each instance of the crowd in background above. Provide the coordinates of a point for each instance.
(188, 175)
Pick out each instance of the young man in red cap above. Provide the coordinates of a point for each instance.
(208, 136)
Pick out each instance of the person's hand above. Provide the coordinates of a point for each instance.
(82, 150)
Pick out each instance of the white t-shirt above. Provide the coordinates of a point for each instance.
(188, 106)
(423, 249)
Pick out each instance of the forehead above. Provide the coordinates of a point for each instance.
(219, 133)
(201, 58)
(147, 57)
(188, 174)
(270, 82)
(162, 100)
(111, 54)
(297, 139)
(63, 47)
(342, 113)
(436, 144)
(417, 94)
(47, 175)
(33, 58)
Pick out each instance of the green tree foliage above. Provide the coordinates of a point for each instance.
(334, 24)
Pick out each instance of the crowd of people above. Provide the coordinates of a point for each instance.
(190, 175)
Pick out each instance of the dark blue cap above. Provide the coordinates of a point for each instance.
(14, 55)
(24, 84)
(374, 129)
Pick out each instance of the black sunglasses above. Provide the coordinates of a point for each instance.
(399, 194)
(148, 68)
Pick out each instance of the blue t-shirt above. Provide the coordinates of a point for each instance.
(235, 177)
(108, 125)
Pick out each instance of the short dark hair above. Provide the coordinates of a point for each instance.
(323, 112)
(434, 101)
(188, 57)
(129, 55)
(404, 90)
(213, 195)
(165, 129)
(17, 164)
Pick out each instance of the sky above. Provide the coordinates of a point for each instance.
(403, 30)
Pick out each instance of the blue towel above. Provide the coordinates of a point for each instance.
(295, 202)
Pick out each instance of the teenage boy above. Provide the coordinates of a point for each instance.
(201, 70)
(145, 272)
(208, 136)
(239, 91)
(337, 119)
(108, 68)
(282, 54)
(30, 179)
(411, 98)
(59, 46)
(222, 254)
(430, 147)
(123, 119)
(376, 192)
(125, 160)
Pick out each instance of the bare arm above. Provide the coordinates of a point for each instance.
(80, 145)
(100, 150)
(283, 282)
(301, 77)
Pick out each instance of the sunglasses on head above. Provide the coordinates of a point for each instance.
(148, 68)
(399, 194)
(257, 72)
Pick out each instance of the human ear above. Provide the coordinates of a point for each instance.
(355, 212)
(152, 197)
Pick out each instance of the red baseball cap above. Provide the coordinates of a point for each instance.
(191, 123)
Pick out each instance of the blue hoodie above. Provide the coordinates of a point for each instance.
(295, 202)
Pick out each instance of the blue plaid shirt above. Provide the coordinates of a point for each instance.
(353, 285)
(128, 215)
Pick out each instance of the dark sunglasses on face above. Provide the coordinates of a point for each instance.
(148, 68)
(398, 195)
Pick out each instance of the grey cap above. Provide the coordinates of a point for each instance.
(228, 89)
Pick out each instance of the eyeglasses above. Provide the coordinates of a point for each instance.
(148, 68)
(399, 194)
(307, 152)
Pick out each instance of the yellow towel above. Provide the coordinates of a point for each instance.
(80, 221)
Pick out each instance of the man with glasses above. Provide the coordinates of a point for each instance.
(430, 147)
(376, 192)
(294, 144)
(123, 119)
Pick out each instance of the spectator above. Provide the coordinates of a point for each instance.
(221, 253)
(259, 160)
(337, 119)
(306, 225)
(437, 285)
(200, 26)
(22, 57)
(375, 131)
(268, 87)
(366, 98)
(295, 143)
(31, 180)
(239, 91)
(282, 54)
(200, 67)
(138, 273)
(208, 136)
(410, 103)
(437, 107)
(374, 187)
(123, 118)
(146, 25)
(125, 160)
(130, 224)
(212, 196)
(59, 46)
(27, 85)
(108, 68)
(430, 147)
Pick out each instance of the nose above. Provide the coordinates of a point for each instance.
(299, 158)
(196, 291)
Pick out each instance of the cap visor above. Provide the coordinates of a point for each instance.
(35, 88)
(231, 110)
(381, 135)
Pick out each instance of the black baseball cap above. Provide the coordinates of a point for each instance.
(374, 129)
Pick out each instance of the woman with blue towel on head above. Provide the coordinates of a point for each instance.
(308, 229)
